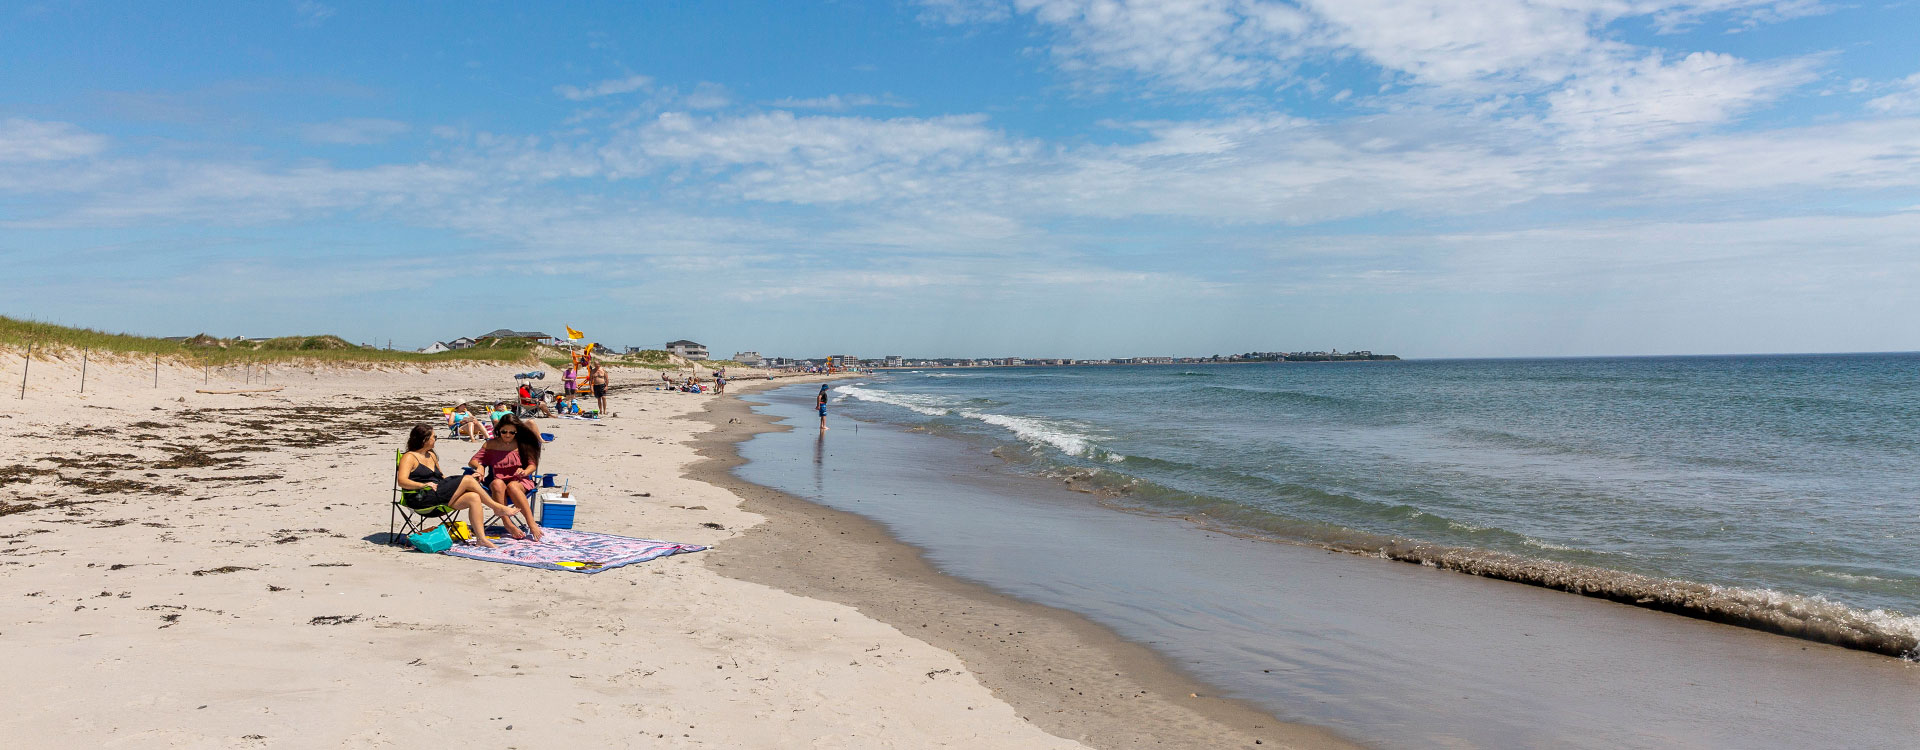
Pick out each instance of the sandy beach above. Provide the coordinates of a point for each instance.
(208, 570)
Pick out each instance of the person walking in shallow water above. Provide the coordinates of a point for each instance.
(822, 403)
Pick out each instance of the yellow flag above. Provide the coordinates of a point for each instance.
(573, 334)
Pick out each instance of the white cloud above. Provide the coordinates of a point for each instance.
(311, 13)
(1453, 52)
(1465, 44)
(708, 96)
(354, 131)
(1867, 155)
(1904, 100)
(965, 11)
(1189, 44)
(840, 102)
(608, 87)
(1650, 97)
(780, 157)
(23, 140)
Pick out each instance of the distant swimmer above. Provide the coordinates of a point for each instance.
(822, 403)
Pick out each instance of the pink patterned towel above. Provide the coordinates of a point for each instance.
(577, 551)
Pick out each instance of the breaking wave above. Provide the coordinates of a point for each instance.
(1031, 430)
(932, 406)
(1045, 433)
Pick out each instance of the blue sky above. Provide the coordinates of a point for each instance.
(975, 177)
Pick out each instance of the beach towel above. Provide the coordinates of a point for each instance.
(577, 551)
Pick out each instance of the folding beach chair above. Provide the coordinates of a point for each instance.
(533, 500)
(453, 425)
(407, 517)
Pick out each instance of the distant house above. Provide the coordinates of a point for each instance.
(750, 359)
(843, 361)
(893, 360)
(688, 349)
(460, 343)
(436, 348)
(536, 336)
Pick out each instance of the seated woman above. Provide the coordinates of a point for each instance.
(465, 424)
(420, 469)
(510, 460)
(529, 401)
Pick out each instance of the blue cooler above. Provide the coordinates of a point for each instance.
(556, 512)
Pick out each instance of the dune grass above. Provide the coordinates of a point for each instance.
(211, 350)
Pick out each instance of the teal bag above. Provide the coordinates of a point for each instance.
(436, 540)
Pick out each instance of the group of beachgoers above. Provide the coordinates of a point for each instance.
(501, 478)
(693, 383)
(596, 381)
(469, 426)
(501, 475)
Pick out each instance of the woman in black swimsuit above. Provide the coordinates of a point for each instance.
(420, 468)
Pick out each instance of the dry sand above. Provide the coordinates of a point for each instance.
(205, 570)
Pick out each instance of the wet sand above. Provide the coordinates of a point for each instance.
(1069, 676)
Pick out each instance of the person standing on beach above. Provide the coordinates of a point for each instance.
(822, 403)
(570, 380)
(599, 376)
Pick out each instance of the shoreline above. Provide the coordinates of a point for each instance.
(1067, 675)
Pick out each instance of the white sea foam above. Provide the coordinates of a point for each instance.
(1846, 576)
(932, 406)
(1028, 429)
(1530, 541)
(1037, 431)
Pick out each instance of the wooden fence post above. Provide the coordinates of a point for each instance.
(23, 371)
(83, 368)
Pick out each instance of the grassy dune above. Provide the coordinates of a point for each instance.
(205, 349)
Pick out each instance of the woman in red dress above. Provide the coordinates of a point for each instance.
(510, 460)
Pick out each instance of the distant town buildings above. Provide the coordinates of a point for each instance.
(843, 361)
(750, 359)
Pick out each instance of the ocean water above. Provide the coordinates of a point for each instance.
(1210, 513)
(1780, 492)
